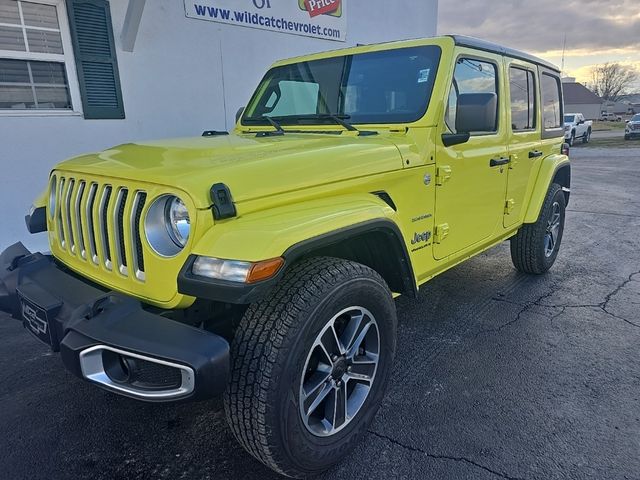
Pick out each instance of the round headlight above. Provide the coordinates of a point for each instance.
(178, 222)
(52, 197)
(167, 225)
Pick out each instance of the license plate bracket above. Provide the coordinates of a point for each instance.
(38, 309)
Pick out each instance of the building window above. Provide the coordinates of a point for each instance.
(37, 71)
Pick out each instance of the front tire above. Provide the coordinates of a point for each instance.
(572, 139)
(535, 247)
(310, 366)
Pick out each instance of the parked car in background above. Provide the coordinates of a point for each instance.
(610, 117)
(632, 129)
(575, 126)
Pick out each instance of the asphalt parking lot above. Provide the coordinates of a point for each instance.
(498, 375)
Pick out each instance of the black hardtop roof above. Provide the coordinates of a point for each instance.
(479, 44)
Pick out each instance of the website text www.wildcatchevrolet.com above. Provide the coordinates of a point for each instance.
(247, 18)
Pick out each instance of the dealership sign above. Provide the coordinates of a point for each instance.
(326, 19)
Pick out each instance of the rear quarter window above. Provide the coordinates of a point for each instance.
(551, 102)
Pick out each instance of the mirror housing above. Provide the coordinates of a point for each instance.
(239, 113)
(476, 112)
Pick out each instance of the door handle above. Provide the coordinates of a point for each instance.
(496, 162)
(535, 154)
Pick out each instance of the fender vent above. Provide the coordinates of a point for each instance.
(386, 198)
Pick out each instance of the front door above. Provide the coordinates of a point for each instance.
(524, 137)
(471, 177)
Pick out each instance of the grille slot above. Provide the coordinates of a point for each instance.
(136, 214)
(118, 222)
(100, 223)
(78, 215)
(67, 215)
(104, 228)
(59, 221)
(88, 213)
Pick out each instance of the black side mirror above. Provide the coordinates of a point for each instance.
(580, 122)
(476, 112)
(239, 114)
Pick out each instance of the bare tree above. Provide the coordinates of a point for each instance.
(612, 80)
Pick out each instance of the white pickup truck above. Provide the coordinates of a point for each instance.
(575, 126)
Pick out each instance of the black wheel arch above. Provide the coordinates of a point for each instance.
(562, 177)
(378, 244)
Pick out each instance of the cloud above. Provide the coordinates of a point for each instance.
(540, 26)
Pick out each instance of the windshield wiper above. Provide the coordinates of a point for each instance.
(336, 118)
(276, 125)
(339, 119)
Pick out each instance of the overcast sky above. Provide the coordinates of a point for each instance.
(597, 31)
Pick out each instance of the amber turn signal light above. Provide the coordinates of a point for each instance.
(264, 270)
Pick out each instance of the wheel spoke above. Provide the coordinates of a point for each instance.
(351, 330)
(330, 343)
(316, 397)
(362, 371)
(357, 343)
(337, 406)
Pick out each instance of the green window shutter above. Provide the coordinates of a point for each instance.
(96, 62)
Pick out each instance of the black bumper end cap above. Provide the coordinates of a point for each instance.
(37, 221)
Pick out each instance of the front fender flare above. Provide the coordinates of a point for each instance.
(291, 232)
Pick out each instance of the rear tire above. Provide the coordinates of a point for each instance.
(535, 247)
(586, 137)
(281, 359)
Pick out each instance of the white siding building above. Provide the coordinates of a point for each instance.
(81, 75)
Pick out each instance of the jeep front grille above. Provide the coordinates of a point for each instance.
(100, 223)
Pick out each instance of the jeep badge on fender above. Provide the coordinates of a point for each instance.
(262, 266)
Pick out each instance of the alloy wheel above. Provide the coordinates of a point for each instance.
(339, 371)
(553, 230)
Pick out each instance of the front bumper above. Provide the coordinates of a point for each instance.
(108, 338)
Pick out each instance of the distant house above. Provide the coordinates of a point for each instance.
(579, 99)
(618, 108)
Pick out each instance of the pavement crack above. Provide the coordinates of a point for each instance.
(524, 309)
(604, 304)
(443, 457)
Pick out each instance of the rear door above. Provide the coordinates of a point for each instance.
(523, 136)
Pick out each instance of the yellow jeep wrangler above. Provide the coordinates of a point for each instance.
(262, 265)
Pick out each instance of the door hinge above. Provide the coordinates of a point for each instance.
(441, 232)
(509, 206)
(443, 174)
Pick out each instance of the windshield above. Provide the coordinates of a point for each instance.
(636, 118)
(568, 118)
(392, 86)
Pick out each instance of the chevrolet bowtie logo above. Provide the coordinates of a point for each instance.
(37, 324)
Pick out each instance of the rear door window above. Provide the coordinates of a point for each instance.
(523, 99)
